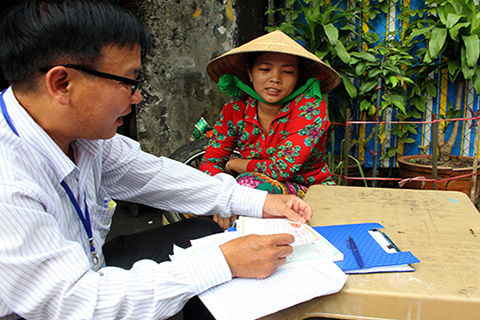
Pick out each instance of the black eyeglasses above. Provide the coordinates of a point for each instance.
(133, 83)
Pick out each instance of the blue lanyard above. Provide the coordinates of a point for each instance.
(84, 218)
(6, 115)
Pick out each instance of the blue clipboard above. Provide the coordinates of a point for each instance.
(374, 256)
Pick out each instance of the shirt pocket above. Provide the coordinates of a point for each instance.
(102, 216)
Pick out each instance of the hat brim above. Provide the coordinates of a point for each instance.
(235, 60)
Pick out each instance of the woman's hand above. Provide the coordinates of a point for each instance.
(224, 223)
(287, 206)
(238, 166)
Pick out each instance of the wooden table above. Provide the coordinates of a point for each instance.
(441, 228)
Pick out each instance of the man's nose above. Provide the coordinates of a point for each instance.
(136, 97)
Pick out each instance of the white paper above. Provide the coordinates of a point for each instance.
(245, 299)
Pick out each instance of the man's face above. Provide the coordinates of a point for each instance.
(102, 103)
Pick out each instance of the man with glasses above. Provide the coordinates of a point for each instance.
(73, 67)
(133, 83)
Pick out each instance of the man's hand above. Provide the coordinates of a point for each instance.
(287, 206)
(255, 256)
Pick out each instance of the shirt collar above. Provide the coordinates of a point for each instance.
(36, 138)
(251, 109)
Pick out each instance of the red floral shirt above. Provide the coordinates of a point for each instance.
(293, 149)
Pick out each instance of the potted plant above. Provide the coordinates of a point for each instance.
(451, 32)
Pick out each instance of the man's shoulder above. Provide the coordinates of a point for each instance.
(20, 167)
(9, 146)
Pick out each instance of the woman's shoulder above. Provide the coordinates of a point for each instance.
(306, 98)
(237, 103)
(303, 101)
(241, 100)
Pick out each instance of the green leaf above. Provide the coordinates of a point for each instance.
(392, 152)
(360, 68)
(365, 56)
(437, 41)
(452, 66)
(446, 8)
(417, 32)
(452, 19)
(431, 89)
(466, 70)
(367, 86)
(400, 106)
(374, 73)
(397, 101)
(475, 27)
(409, 140)
(365, 105)
(476, 80)
(426, 58)
(456, 29)
(321, 54)
(416, 114)
(472, 49)
(342, 53)
(412, 129)
(394, 81)
(420, 105)
(351, 90)
(332, 33)
(408, 80)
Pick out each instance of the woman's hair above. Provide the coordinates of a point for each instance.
(38, 33)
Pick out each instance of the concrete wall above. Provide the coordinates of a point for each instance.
(177, 90)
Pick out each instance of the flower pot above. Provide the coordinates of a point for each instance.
(409, 169)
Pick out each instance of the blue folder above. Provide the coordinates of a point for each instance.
(375, 258)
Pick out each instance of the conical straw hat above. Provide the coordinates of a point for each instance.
(235, 60)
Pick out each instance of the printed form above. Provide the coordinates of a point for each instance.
(309, 246)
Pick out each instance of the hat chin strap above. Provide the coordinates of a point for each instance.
(233, 86)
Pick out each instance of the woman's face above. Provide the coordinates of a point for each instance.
(274, 75)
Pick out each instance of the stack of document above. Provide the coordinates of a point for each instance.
(308, 273)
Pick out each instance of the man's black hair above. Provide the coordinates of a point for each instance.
(39, 33)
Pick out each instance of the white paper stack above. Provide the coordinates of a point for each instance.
(308, 273)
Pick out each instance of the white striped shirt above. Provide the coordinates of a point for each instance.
(45, 265)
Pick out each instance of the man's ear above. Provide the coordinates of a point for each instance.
(58, 81)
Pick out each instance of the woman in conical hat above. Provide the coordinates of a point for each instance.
(277, 118)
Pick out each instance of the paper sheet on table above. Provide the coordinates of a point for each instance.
(245, 299)
(309, 246)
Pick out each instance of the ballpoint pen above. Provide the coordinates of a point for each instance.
(105, 202)
(352, 245)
